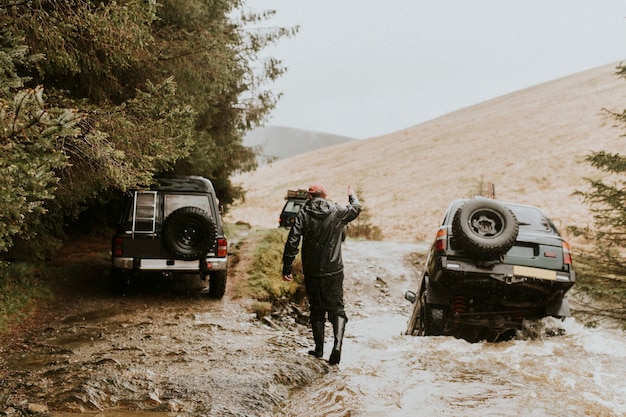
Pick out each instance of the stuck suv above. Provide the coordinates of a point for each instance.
(491, 266)
(174, 228)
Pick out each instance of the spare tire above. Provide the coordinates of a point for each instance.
(485, 228)
(189, 233)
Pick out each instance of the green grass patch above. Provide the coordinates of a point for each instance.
(265, 272)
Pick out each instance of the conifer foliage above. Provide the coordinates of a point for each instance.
(607, 198)
(31, 137)
(100, 96)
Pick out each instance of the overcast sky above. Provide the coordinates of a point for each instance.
(363, 68)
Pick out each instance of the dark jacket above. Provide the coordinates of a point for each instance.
(321, 225)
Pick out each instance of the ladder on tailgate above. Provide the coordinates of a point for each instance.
(144, 212)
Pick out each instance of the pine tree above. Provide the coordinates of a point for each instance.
(601, 272)
(607, 198)
(31, 137)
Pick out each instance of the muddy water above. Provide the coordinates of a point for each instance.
(383, 373)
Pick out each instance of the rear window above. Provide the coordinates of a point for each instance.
(175, 201)
(149, 216)
(532, 218)
(293, 206)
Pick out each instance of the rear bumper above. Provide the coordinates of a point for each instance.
(453, 270)
(497, 288)
(170, 265)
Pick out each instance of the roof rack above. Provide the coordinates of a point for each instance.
(303, 194)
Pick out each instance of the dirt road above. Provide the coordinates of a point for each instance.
(163, 347)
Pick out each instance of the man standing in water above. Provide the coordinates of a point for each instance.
(321, 225)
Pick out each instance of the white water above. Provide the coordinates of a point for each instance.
(383, 373)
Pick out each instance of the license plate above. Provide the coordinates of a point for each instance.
(538, 273)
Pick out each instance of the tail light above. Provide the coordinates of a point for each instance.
(118, 246)
(222, 248)
(441, 241)
(567, 254)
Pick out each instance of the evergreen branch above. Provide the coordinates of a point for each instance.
(18, 3)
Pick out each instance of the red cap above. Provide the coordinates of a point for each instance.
(317, 190)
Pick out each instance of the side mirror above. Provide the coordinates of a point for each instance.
(410, 296)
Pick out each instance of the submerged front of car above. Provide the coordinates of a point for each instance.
(491, 267)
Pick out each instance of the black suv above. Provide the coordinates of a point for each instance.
(295, 201)
(174, 228)
(492, 266)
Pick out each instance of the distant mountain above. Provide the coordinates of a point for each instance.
(531, 144)
(276, 142)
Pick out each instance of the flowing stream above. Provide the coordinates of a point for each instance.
(384, 373)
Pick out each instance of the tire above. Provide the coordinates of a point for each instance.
(485, 228)
(423, 322)
(189, 233)
(428, 323)
(119, 280)
(217, 284)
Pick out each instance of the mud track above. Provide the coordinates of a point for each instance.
(162, 347)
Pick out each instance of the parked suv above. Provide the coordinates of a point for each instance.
(295, 201)
(491, 266)
(174, 228)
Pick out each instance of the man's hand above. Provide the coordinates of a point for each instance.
(287, 278)
(350, 192)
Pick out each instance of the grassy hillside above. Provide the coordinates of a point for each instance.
(530, 143)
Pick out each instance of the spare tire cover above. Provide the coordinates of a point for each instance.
(189, 233)
(485, 228)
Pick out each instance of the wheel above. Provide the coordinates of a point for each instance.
(119, 280)
(217, 284)
(424, 320)
(189, 233)
(485, 228)
(432, 322)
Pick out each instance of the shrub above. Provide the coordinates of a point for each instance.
(20, 292)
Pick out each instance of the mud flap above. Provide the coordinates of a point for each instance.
(204, 270)
(558, 308)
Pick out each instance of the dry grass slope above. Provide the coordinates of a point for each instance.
(530, 143)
